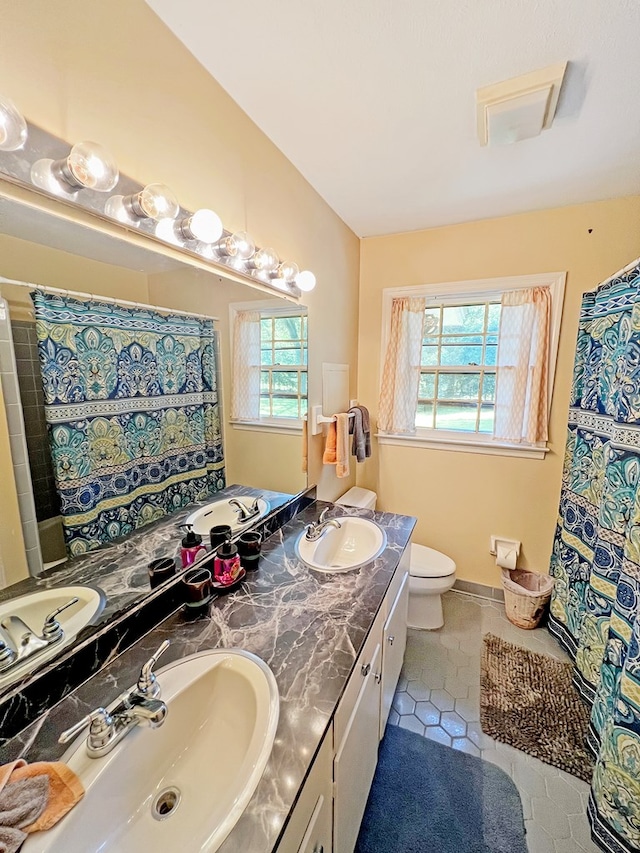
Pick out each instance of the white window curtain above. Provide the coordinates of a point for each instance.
(401, 375)
(245, 386)
(523, 366)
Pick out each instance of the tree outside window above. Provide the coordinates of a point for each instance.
(283, 372)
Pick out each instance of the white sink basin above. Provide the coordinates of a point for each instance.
(208, 756)
(33, 609)
(357, 542)
(222, 512)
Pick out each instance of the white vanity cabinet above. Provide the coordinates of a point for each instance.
(356, 745)
(310, 826)
(394, 643)
(329, 810)
(363, 711)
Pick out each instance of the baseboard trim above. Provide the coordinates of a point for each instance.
(481, 590)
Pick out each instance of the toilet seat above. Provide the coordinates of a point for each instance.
(428, 563)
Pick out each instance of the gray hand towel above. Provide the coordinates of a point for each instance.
(360, 426)
(366, 428)
(21, 803)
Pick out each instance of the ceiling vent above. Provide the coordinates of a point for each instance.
(519, 108)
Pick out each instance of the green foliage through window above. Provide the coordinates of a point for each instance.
(283, 357)
(458, 378)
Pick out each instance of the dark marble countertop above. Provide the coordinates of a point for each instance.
(119, 569)
(307, 626)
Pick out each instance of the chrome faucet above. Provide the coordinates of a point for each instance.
(316, 529)
(18, 642)
(138, 707)
(245, 513)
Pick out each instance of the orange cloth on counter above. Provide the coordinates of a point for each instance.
(65, 789)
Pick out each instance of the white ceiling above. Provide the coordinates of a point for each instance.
(374, 100)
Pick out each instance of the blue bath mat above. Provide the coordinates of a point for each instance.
(429, 798)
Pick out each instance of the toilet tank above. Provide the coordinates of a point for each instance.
(362, 498)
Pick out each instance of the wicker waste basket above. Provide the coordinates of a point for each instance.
(526, 595)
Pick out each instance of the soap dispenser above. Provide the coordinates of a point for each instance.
(226, 567)
(192, 546)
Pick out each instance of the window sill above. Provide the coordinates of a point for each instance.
(285, 427)
(464, 444)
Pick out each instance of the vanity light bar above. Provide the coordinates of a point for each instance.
(88, 168)
(13, 127)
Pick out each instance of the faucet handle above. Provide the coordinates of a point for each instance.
(52, 629)
(147, 682)
(323, 515)
(7, 655)
(100, 728)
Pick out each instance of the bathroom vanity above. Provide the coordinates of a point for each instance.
(329, 810)
(334, 643)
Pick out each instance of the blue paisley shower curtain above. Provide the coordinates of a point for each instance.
(132, 410)
(595, 608)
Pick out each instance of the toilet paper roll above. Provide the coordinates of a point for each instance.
(506, 556)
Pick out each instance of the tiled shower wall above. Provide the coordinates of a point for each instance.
(25, 345)
(17, 438)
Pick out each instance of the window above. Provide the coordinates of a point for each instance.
(455, 377)
(458, 367)
(269, 365)
(283, 365)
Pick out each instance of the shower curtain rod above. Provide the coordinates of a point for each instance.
(125, 302)
(621, 272)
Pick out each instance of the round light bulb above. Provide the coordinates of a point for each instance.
(13, 127)
(306, 280)
(115, 208)
(155, 201)
(44, 177)
(264, 260)
(168, 231)
(227, 247)
(203, 225)
(88, 165)
(245, 247)
(287, 271)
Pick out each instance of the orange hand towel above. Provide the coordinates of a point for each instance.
(329, 456)
(342, 445)
(65, 790)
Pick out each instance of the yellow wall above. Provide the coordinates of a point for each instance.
(26, 261)
(460, 499)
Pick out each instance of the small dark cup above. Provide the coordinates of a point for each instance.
(219, 534)
(249, 547)
(197, 587)
(161, 570)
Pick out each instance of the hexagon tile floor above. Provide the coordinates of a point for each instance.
(438, 696)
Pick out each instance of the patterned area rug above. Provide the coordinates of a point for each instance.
(528, 701)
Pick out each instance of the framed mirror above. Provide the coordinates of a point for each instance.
(39, 247)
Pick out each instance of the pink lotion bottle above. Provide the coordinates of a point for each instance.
(192, 547)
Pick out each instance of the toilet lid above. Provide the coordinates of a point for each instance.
(428, 563)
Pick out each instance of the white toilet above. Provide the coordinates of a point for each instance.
(431, 572)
